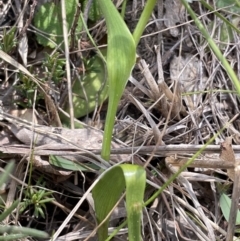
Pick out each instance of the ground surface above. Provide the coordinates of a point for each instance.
(178, 94)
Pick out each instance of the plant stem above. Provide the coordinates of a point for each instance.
(107, 137)
(214, 47)
(209, 7)
(148, 9)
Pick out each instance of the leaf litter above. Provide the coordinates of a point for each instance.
(178, 96)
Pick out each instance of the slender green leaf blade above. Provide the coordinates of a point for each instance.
(12, 237)
(105, 194)
(9, 210)
(121, 51)
(21, 230)
(4, 176)
(230, 71)
(69, 165)
(141, 25)
(64, 163)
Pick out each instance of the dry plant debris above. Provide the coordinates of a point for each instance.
(178, 94)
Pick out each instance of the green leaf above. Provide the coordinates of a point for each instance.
(230, 71)
(225, 205)
(94, 11)
(9, 210)
(121, 56)
(46, 200)
(70, 165)
(8, 41)
(94, 88)
(65, 164)
(141, 25)
(23, 231)
(107, 192)
(40, 211)
(49, 20)
(41, 193)
(12, 237)
(5, 175)
(234, 5)
(91, 92)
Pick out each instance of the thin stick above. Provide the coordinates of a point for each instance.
(69, 85)
(207, 163)
(234, 205)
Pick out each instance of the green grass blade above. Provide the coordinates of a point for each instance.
(65, 163)
(205, 4)
(107, 192)
(12, 237)
(214, 47)
(181, 169)
(148, 9)
(9, 210)
(4, 176)
(24, 231)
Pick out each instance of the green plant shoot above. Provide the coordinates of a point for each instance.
(121, 53)
(133, 177)
(214, 47)
(121, 56)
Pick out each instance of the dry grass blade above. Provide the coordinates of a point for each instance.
(18, 66)
(154, 127)
(154, 92)
(42, 87)
(227, 154)
(234, 205)
(178, 93)
(189, 189)
(204, 163)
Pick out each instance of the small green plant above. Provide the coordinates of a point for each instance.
(36, 198)
(54, 68)
(230, 71)
(54, 72)
(26, 89)
(121, 57)
(12, 232)
(8, 41)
